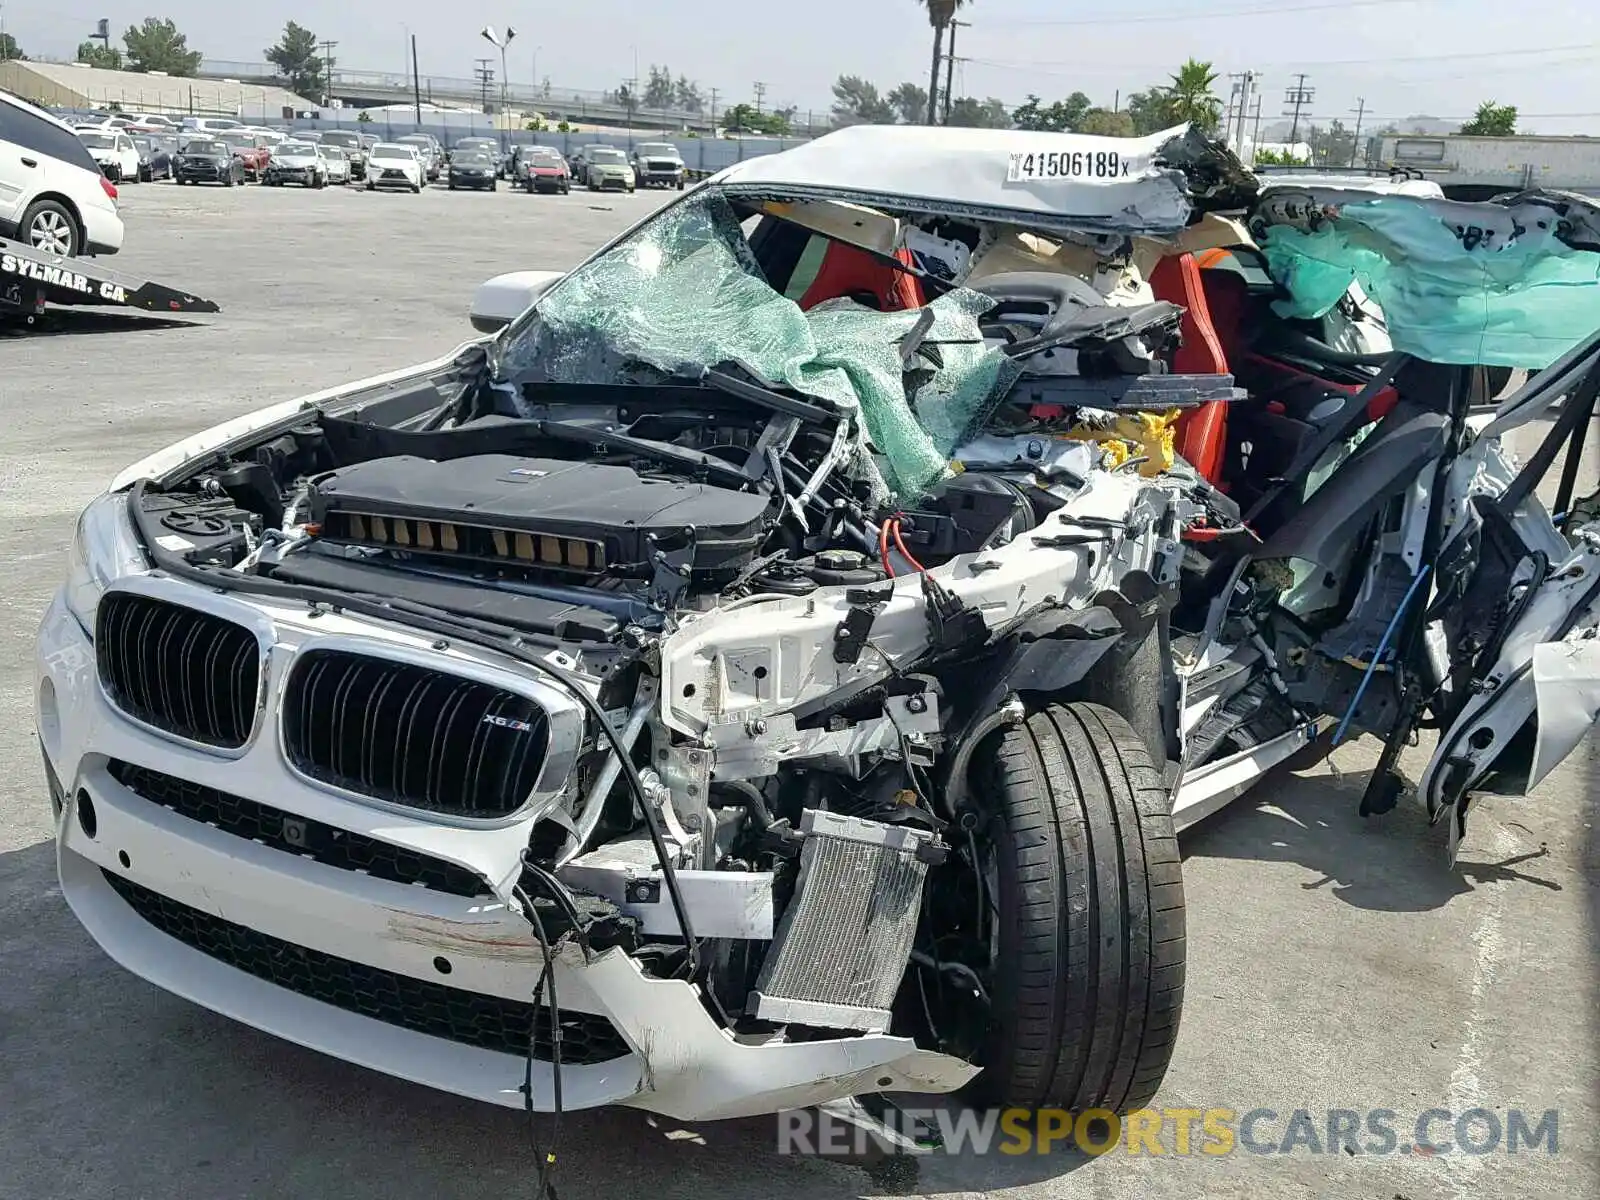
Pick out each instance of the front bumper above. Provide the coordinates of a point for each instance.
(608, 182)
(679, 1062)
(669, 178)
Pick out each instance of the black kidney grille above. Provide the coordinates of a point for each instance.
(412, 736)
(327, 844)
(488, 1022)
(179, 669)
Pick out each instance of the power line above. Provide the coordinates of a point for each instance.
(1205, 14)
(1032, 64)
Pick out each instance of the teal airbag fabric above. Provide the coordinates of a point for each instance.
(1462, 284)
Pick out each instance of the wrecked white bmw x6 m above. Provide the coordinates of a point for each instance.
(772, 669)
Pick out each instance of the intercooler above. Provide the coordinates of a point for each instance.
(842, 945)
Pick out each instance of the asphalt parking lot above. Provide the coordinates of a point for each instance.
(1333, 963)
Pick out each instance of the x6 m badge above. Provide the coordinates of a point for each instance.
(507, 723)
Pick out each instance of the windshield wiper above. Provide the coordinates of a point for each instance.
(766, 397)
(693, 461)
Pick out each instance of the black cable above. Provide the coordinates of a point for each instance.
(437, 621)
(544, 1188)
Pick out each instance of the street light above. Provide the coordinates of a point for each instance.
(500, 43)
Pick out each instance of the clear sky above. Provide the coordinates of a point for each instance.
(1404, 56)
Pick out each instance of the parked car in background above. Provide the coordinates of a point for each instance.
(297, 162)
(209, 124)
(607, 169)
(53, 195)
(247, 148)
(580, 162)
(155, 121)
(350, 142)
(472, 168)
(487, 144)
(658, 164)
(546, 171)
(208, 160)
(338, 163)
(114, 151)
(429, 152)
(394, 165)
(155, 156)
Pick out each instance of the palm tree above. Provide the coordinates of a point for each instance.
(940, 14)
(1189, 97)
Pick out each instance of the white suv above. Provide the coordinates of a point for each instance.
(52, 193)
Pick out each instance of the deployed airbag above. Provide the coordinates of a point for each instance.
(1493, 284)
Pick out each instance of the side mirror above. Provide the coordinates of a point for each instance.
(504, 298)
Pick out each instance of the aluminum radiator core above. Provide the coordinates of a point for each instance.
(842, 945)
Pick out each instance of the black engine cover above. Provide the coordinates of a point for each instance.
(475, 507)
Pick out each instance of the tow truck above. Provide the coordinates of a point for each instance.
(30, 280)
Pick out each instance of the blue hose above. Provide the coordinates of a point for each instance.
(1383, 644)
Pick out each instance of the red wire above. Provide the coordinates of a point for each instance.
(883, 548)
(900, 545)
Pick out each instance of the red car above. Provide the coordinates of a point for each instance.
(543, 170)
(249, 150)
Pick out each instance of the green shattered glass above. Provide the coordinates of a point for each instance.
(684, 294)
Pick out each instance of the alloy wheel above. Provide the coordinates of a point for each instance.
(51, 232)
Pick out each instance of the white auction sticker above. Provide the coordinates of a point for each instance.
(1092, 165)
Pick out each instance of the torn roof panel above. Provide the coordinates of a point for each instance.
(1047, 180)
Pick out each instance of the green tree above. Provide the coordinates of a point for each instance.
(96, 54)
(364, 117)
(940, 14)
(1190, 99)
(1151, 111)
(1334, 146)
(1105, 123)
(856, 102)
(973, 113)
(658, 90)
(1063, 116)
(1492, 120)
(743, 118)
(1280, 158)
(686, 95)
(297, 61)
(910, 102)
(156, 45)
(9, 49)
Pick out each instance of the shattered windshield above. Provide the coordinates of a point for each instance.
(685, 293)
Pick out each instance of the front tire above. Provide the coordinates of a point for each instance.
(1088, 981)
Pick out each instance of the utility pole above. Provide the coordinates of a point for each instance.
(1299, 96)
(1355, 146)
(1255, 133)
(950, 66)
(327, 66)
(714, 92)
(1239, 114)
(416, 81)
(485, 75)
(761, 93)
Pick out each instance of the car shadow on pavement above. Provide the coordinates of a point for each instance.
(1395, 862)
(56, 320)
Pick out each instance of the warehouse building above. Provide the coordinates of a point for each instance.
(71, 85)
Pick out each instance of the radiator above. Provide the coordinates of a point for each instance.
(842, 945)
